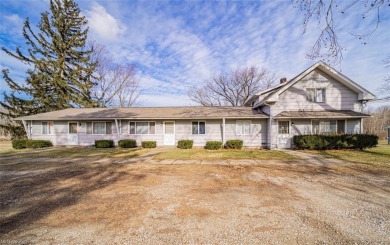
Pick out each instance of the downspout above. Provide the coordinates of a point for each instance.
(117, 129)
(223, 131)
(26, 129)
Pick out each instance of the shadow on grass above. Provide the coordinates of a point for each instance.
(28, 197)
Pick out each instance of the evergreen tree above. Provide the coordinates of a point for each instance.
(61, 67)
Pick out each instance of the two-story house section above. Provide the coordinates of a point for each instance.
(320, 100)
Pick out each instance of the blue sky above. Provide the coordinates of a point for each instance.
(177, 44)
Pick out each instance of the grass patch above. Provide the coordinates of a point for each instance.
(378, 156)
(222, 154)
(78, 152)
(6, 147)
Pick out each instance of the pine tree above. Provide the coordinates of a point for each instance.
(61, 67)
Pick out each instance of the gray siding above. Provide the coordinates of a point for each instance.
(255, 139)
(353, 126)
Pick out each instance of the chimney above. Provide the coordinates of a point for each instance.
(283, 80)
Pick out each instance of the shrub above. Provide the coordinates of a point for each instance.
(234, 144)
(38, 143)
(19, 144)
(185, 144)
(104, 143)
(127, 143)
(329, 142)
(213, 145)
(149, 144)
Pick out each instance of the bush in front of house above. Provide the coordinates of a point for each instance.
(38, 143)
(234, 144)
(19, 143)
(213, 145)
(185, 144)
(127, 143)
(149, 144)
(104, 143)
(330, 142)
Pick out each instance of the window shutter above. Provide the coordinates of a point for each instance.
(108, 128)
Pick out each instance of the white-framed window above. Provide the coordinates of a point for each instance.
(316, 94)
(243, 127)
(283, 127)
(198, 127)
(324, 126)
(99, 128)
(142, 127)
(47, 127)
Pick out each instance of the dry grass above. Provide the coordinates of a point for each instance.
(75, 152)
(202, 154)
(6, 147)
(378, 156)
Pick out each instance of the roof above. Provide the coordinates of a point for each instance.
(189, 112)
(363, 94)
(321, 114)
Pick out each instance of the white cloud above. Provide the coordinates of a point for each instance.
(104, 25)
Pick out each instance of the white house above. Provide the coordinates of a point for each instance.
(319, 100)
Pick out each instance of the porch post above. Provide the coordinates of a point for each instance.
(117, 128)
(223, 131)
(26, 129)
(361, 126)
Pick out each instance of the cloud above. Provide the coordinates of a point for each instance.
(104, 25)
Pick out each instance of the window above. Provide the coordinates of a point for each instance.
(142, 128)
(47, 127)
(198, 127)
(324, 127)
(89, 127)
(283, 127)
(99, 127)
(72, 128)
(316, 94)
(243, 127)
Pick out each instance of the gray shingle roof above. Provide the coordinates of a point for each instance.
(196, 112)
(321, 114)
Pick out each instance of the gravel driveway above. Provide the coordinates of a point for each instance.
(72, 202)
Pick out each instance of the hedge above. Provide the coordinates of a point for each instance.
(185, 144)
(329, 142)
(127, 143)
(25, 143)
(38, 143)
(234, 144)
(104, 143)
(149, 144)
(213, 145)
(19, 144)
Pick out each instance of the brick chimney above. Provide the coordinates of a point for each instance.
(283, 80)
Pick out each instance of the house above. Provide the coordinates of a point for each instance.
(319, 100)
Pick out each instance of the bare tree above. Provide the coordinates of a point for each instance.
(233, 88)
(379, 120)
(384, 88)
(325, 13)
(115, 84)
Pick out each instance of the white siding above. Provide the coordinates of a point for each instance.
(255, 139)
(338, 96)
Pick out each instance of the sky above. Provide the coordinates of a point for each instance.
(179, 44)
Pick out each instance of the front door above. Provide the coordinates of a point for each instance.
(73, 138)
(284, 138)
(169, 133)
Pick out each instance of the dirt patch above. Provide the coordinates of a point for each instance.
(104, 203)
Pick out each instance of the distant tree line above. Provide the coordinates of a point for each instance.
(379, 120)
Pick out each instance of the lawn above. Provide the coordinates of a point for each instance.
(378, 156)
(6, 146)
(71, 152)
(202, 154)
